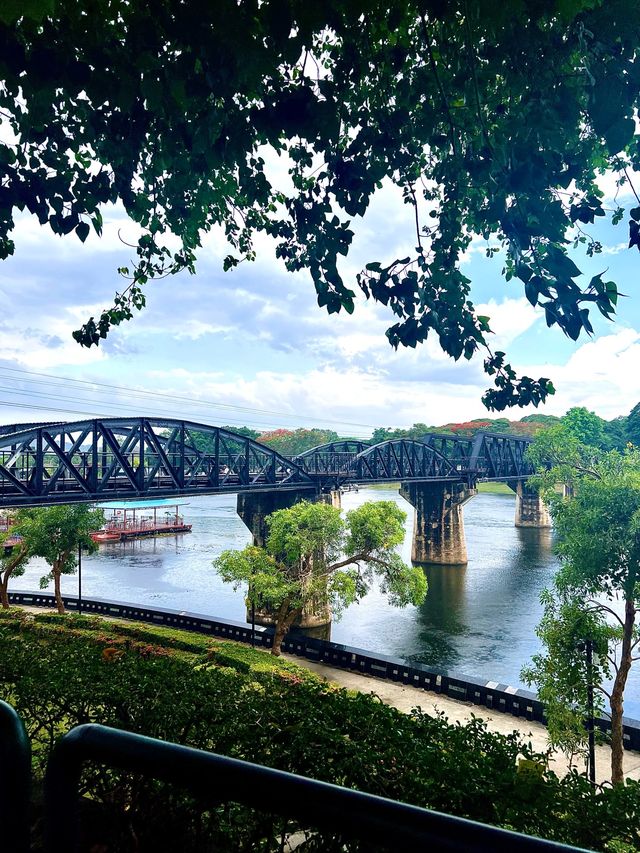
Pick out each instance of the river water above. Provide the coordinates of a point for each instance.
(477, 619)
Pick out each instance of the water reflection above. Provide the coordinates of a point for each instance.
(442, 617)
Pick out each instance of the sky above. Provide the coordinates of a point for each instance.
(251, 346)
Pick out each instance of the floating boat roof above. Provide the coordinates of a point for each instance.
(150, 504)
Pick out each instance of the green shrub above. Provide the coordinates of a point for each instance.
(230, 701)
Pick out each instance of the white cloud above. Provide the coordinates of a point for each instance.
(508, 319)
(602, 375)
(331, 396)
(608, 183)
(43, 351)
(615, 249)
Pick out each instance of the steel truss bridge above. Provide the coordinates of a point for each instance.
(435, 456)
(120, 458)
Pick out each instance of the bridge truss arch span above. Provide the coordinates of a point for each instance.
(335, 458)
(120, 458)
(403, 459)
(389, 461)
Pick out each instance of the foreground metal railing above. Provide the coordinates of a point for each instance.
(217, 779)
(15, 781)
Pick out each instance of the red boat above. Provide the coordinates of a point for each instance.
(126, 522)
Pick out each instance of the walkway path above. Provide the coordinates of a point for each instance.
(405, 698)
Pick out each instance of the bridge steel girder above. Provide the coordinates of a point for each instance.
(120, 458)
(337, 463)
(333, 459)
(495, 456)
(402, 459)
(456, 448)
(347, 445)
(486, 456)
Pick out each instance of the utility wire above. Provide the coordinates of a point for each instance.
(61, 380)
(112, 407)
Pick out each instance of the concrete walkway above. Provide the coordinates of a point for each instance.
(405, 698)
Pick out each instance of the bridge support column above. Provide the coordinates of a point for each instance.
(531, 510)
(333, 498)
(438, 527)
(254, 507)
(253, 510)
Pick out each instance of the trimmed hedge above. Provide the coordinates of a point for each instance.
(234, 700)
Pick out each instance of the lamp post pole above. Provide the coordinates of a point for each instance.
(253, 621)
(79, 578)
(590, 720)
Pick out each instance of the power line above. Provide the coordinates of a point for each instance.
(60, 380)
(116, 409)
(141, 391)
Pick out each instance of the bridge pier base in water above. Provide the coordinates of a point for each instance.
(253, 508)
(333, 498)
(531, 510)
(438, 527)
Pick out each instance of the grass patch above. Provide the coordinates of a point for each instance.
(495, 489)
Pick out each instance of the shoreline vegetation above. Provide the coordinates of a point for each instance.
(483, 488)
(58, 671)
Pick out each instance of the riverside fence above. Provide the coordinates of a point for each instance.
(487, 694)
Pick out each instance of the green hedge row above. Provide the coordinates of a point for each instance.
(238, 701)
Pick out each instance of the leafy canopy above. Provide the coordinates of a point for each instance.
(596, 593)
(492, 119)
(293, 442)
(560, 670)
(55, 533)
(312, 551)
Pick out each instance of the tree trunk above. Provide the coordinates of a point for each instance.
(56, 588)
(18, 556)
(617, 694)
(284, 620)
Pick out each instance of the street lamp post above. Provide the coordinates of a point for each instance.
(79, 578)
(587, 647)
(590, 720)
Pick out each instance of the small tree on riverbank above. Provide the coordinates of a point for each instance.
(314, 555)
(56, 533)
(596, 593)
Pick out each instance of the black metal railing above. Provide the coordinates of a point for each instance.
(217, 779)
(15, 781)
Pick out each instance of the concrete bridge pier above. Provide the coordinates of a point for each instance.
(253, 508)
(438, 527)
(333, 498)
(531, 510)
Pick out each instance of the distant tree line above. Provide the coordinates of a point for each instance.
(588, 428)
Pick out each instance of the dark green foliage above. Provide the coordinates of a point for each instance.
(243, 430)
(616, 433)
(596, 524)
(633, 426)
(60, 672)
(169, 110)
